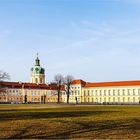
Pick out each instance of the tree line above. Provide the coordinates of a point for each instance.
(63, 81)
(3, 76)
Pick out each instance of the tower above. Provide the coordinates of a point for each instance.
(37, 73)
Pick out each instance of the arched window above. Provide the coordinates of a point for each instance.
(41, 80)
(36, 80)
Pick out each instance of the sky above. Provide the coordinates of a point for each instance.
(93, 40)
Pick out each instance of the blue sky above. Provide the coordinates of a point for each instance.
(94, 40)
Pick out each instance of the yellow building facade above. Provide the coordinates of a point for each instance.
(121, 92)
(34, 92)
(16, 92)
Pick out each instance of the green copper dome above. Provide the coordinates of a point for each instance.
(37, 69)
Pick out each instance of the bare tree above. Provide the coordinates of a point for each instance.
(3, 89)
(59, 79)
(68, 80)
(4, 76)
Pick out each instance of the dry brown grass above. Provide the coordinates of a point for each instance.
(69, 122)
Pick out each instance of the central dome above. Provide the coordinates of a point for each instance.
(37, 73)
(37, 70)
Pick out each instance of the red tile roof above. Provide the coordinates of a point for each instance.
(79, 81)
(83, 83)
(110, 84)
(29, 85)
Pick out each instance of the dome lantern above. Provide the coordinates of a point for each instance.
(37, 61)
(37, 73)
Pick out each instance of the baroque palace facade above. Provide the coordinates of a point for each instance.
(37, 91)
(122, 92)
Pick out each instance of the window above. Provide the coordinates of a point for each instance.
(128, 91)
(78, 92)
(100, 92)
(96, 92)
(92, 99)
(92, 92)
(104, 92)
(114, 92)
(118, 92)
(96, 99)
(138, 91)
(36, 80)
(118, 99)
(109, 92)
(123, 99)
(84, 99)
(123, 91)
(133, 91)
(88, 92)
(113, 99)
(41, 80)
(84, 92)
(128, 99)
(133, 99)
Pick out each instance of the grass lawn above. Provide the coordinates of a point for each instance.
(69, 122)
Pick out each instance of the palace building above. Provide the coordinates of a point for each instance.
(122, 92)
(37, 91)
